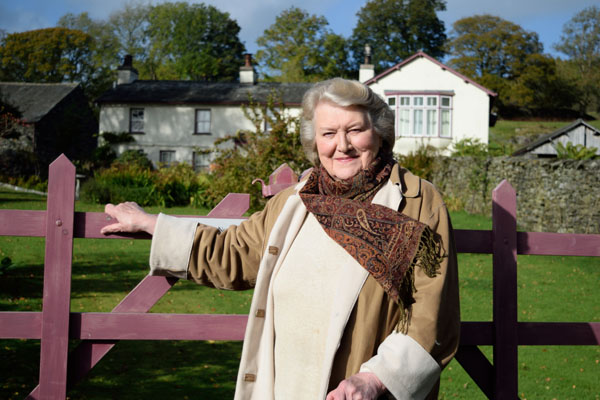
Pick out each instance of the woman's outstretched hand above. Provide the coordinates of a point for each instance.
(131, 218)
(361, 386)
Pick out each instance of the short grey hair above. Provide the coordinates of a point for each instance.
(345, 93)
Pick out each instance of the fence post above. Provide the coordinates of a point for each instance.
(57, 279)
(504, 244)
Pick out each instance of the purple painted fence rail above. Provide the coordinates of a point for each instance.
(129, 320)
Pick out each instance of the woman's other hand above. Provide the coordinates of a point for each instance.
(131, 218)
(361, 386)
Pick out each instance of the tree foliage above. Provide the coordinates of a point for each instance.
(484, 45)
(540, 89)
(129, 26)
(504, 57)
(193, 41)
(256, 153)
(104, 50)
(168, 41)
(47, 55)
(580, 42)
(298, 47)
(396, 29)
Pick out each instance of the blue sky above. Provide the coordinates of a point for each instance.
(546, 17)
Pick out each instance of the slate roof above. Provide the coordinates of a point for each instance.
(184, 92)
(551, 136)
(34, 100)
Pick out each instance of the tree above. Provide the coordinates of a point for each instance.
(298, 47)
(193, 41)
(104, 50)
(47, 55)
(496, 52)
(484, 45)
(580, 42)
(129, 25)
(396, 29)
(541, 88)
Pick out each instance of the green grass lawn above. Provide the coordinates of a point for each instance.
(550, 289)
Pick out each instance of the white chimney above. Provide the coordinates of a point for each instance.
(367, 70)
(247, 74)
(126, 73)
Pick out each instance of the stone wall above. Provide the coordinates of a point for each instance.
(552, 195)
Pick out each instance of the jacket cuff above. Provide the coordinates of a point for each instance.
(172, 246)
(405, 368)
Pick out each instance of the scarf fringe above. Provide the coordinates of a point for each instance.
(428, 257)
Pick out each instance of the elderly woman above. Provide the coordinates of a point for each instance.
(354, 268)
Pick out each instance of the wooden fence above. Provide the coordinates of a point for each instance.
(129, 320)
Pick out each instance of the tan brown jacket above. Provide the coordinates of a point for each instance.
(363, 331)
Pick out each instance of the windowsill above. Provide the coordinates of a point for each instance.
(201, 133)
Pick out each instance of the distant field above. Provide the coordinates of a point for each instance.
(550, 289)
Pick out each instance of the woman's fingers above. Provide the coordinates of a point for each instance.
(112, 228)
(361, 386)
(130, 218)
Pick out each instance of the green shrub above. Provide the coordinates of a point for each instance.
(256, 153)
(177, 185)
(122, 182)
(136, 157)
(470, 148)
(574, 152)
(34, 182)
(420, 162)
(180, 185)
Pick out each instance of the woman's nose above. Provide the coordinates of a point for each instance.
(343, 144)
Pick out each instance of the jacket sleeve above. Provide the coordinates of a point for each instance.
(409, 364)
(222, 258)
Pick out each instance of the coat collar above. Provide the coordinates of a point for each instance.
(410, 184)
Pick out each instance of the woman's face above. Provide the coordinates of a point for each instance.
(346, 142)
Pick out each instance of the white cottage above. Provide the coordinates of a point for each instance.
(433, 104)
(174, 121)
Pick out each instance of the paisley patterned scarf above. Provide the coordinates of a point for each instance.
(385, 242)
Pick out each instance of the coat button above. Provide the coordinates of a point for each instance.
(249, 377)
(273, 250)
(260, 313)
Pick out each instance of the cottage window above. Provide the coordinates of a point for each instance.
(424, 115)
(136, 120)
(200, 161)
(166, 157)
(202, 122)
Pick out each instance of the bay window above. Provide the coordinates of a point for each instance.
(422, 114)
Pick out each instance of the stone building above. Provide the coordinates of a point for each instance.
(51, 118)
